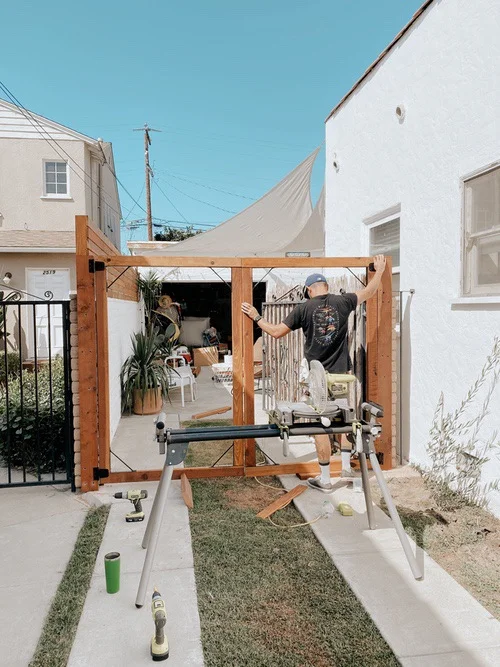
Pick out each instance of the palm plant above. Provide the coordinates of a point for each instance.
(150, 286)
(144, 371)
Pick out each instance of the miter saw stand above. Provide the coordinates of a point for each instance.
(326, 409)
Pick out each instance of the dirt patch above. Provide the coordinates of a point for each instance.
(254, 497)
(465, 541)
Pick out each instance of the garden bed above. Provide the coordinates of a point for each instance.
(464, 539)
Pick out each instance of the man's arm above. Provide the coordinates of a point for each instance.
(372, 287)
(274, 330)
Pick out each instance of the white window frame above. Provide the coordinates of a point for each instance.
(388, 215)
(55, 195)
(468, 263)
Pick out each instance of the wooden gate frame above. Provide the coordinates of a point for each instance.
(92, 319)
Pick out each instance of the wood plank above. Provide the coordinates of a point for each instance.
(186, 491)
(209, 413)
(306, 262)
(229, 262)
(87, 361)
(310, 468)
(159, 261)
(103, 402)
(248, 366)
(282, 501)
(237, 348)
(384, 443)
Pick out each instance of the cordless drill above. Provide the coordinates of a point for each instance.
(159, 643)
(135, 496)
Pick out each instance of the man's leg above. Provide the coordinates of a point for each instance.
(324, 450)
(345, 453)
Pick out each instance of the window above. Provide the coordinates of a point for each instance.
(384, 240)
(481, 242)
(56, 179)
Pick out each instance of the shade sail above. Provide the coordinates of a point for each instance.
(264, 229)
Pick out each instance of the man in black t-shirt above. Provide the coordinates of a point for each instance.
(323, 317)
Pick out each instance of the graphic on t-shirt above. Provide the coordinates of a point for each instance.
(326, 324)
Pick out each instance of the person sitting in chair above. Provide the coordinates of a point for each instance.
(323, 318)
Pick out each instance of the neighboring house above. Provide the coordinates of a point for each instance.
(48, 175)
(413, 170)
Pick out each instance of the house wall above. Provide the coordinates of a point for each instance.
(22, 180)
(446, 73)
(124, 319)
(17, 263)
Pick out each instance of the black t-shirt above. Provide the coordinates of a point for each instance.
(324, 322)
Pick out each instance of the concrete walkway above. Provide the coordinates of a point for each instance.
(429, 623)
(38, 530)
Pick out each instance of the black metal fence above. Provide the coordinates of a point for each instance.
(36, 406)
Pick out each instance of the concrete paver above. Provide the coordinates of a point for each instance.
(38, 530)
(122, 632)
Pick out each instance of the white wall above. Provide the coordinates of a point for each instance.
(124, 320)
(446, 72)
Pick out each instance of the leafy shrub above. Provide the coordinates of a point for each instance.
(29, 437)
(12, 359)
(456, 448)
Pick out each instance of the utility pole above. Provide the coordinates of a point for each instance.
(149, 172)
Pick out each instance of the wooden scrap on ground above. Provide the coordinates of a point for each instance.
(282, 501)
(215, 411)
(187, 493)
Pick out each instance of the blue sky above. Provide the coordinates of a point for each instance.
(239, 89)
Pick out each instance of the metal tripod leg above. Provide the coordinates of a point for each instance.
(403, 537)
(154, 532)
(367, 491)
(154, 509)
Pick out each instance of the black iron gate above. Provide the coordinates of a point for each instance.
(36, 406)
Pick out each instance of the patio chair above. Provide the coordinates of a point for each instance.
(181, 376)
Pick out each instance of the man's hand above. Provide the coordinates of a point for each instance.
(379, 263)
(249, 310)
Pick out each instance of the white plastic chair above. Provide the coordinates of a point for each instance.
(181, 376)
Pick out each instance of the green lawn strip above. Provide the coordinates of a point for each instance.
(59, 630)
(268, 596)
(206, 453)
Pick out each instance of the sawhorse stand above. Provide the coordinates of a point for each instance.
(176, 445)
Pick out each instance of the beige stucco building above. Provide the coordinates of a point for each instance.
(48, 174)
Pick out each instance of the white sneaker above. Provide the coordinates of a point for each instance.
(316, 483)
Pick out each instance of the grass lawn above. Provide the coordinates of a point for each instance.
(268, 596)
(54, 645)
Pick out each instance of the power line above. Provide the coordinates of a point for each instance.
(209, 187)
(169, 200)
(135, 203)
(201, 201)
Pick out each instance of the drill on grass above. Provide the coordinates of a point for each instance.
(159, 643)
(135, 496)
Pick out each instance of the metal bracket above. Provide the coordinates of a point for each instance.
(95, 266)
(100, 473)
(176, 453)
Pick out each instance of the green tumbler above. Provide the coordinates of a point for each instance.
(112, 570)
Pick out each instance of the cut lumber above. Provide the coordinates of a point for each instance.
(215, 411)
(282, 501)
(187, 493)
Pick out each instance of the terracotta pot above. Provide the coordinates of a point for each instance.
(152, 403)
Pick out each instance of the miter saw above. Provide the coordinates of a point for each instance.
(325, 399)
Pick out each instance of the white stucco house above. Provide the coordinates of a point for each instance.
(48, 174)
(413, 170)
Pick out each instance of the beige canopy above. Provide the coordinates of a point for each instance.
(281, 221)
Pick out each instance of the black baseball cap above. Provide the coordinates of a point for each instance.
(314, 278)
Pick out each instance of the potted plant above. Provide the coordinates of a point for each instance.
(144, 377)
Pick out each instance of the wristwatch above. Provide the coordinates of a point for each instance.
(256, 319)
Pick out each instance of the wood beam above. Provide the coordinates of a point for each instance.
(248, 365)
(87, 358)
(235, 262)
(104, 428)
(237, 349)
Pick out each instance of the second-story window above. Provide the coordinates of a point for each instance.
(56, 179)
